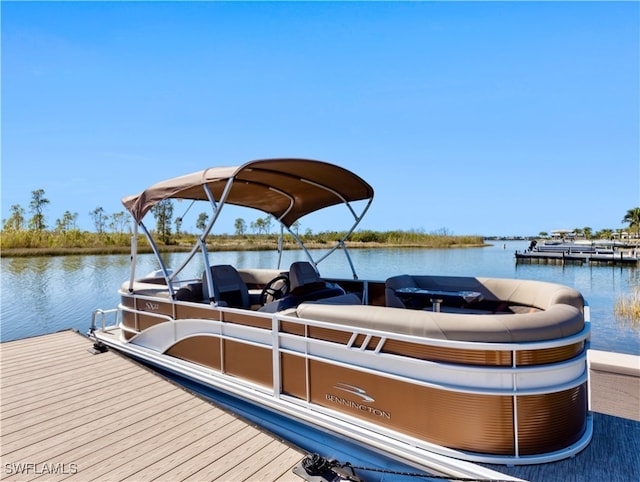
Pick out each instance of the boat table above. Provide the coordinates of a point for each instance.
(436, 297)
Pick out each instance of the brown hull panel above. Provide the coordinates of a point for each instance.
(242, 360)
(463, 421)
(203, 350)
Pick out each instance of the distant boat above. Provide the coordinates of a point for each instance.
(437, 372)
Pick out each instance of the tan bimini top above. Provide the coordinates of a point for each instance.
(285, 188)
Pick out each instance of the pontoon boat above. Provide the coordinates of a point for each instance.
(437, 372)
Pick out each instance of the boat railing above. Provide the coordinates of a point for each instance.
(521, 378)
(360, 330)
(100, 319)
(161, 318)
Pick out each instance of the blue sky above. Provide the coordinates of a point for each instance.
(492, 118)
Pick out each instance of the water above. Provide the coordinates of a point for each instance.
(48, 294)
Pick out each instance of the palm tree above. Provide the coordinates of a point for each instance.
(633, 219)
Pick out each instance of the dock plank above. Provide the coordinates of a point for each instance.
(149, 450)
(278, 470)
(266, 457)
(209, 459)
(118, 442)
(615, 394)
(186, 453)
(102, 432)
(75, 413)
(231, 459)
(85, 405)
(20, 403)
(67, 414)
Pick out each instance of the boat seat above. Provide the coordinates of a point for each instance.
(394, 283)
(228, 287)
(303, 278)
(498, 295)
(346, 299)
(559, 321)
(305, 285)
(191, 292)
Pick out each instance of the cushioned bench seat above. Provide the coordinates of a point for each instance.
(518, 293)
(146, 288)
(557, 322)
(558, 313)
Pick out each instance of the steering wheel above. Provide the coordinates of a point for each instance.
(273, 291)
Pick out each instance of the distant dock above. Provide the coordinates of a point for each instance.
(621, 258)
(581, 252)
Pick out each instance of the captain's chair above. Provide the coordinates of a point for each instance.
(303, 278)
(305, 285)
(228, 287)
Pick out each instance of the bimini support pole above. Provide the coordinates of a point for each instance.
(280, 245)
(134, 256)
(216, 207)
(163, 267)
(340, 243)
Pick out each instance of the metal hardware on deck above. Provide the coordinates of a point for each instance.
(316, 468)
(97, 348)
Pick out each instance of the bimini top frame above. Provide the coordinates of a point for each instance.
(286, 189)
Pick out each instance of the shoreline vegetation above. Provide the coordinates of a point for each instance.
(46, 243)
(627, 308)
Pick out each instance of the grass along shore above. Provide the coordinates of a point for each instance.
(46, 243)
(627, 308)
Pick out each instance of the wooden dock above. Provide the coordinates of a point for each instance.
(69, 415)
(551, 257)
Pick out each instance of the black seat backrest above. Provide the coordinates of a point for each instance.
(303, 278)
(191, 292)
(228, 287)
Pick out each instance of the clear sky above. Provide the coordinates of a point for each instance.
(492, 118)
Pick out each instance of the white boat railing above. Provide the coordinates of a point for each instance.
(102, 316)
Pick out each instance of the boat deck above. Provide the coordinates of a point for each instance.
(64, 416)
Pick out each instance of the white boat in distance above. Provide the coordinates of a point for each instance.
(436, 372)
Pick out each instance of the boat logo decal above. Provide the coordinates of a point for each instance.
(355, 391)
(359, 406)
(152, 306)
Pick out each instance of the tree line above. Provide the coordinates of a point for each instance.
(28, 228)
(22, 230)
(631, 219)
(118, 223)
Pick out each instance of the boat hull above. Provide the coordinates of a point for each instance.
(510, 403)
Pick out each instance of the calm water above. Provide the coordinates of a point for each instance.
(44, 295)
